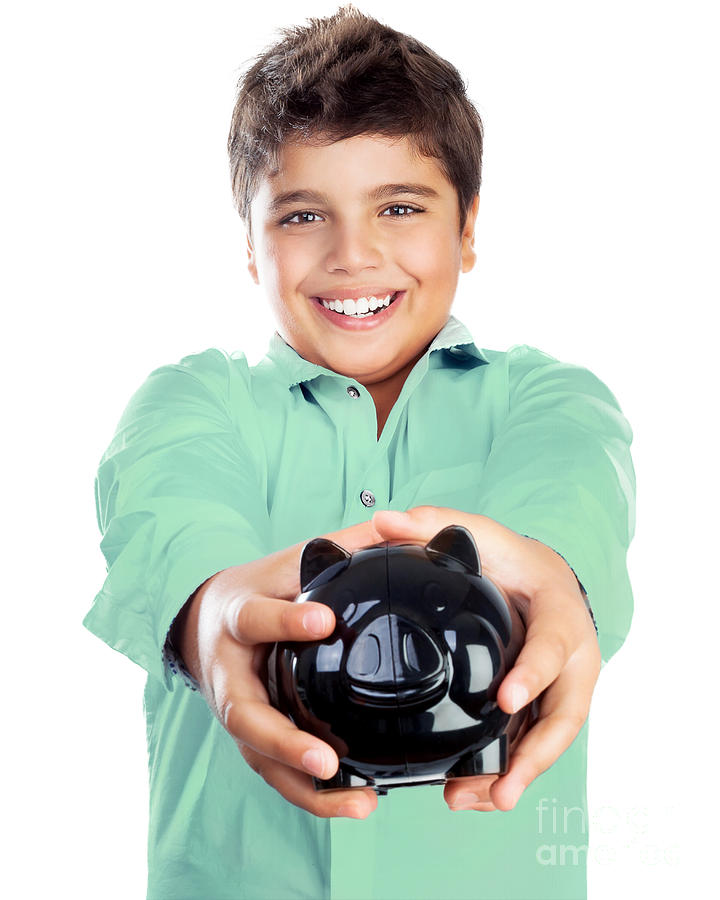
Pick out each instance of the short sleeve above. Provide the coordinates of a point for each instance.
(179, 496)
(560, 471)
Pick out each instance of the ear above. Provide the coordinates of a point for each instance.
(455, 542)
(252, 263)
(468, 255)
(321, 557)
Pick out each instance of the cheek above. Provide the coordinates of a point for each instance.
(430, 255)
(282, 264)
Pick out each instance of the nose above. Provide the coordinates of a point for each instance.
(394, 661)
(354, 246)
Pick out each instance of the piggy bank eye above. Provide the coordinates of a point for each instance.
(434, 597)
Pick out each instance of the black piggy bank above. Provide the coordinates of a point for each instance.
(404, 689)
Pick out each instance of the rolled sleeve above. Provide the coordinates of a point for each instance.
(560, 471)
(179, 496)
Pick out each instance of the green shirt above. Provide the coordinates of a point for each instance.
(215, 463)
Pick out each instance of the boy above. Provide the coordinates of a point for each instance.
(355, 159)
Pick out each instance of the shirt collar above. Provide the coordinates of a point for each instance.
(293, 368)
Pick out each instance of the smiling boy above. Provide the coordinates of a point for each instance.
(378, 220)
(355, 160)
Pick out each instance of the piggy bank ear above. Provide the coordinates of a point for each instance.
(458, 543)
(321, 556)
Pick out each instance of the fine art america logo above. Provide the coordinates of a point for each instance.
(563, 831)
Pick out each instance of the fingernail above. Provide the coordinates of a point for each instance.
(350, 810)
(314, 762)
(396, 517)
(464, 801)
(315, 622)
(518, 696)
(515, 792)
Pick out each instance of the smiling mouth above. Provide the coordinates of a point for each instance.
(359, 309)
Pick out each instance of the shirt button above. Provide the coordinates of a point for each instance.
(368, 498)
(353, 391)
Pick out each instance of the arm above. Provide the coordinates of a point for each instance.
(179, 496)
(181, 504)
(558, 491)
(560, 471)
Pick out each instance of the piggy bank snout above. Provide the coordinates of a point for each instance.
(395, 659)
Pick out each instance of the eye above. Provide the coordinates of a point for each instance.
(435, 597)
(402, 210)
(288, 220)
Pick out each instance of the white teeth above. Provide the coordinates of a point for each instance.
(361, 307)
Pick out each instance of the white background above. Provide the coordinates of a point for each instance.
(597, 239)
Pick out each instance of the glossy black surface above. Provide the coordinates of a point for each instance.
(404, 689)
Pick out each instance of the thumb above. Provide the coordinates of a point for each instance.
(393, 524)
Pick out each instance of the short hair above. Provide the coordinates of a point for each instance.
(346, 75)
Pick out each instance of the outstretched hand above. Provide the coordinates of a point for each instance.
(560, 660)
(225, 633)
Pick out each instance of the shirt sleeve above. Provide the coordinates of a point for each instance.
(179, 496)
(560, 471)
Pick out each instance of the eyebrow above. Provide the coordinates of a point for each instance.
(377, 193)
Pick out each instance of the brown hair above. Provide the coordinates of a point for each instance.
(346, 75)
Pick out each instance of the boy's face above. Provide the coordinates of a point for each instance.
(359, 235)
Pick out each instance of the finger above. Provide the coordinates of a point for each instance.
(556, 630)
(469, 791)
(421, 523)
(417, 524)
(281, 578)
(257, 619)
(265, 729)
(563, 710)
(298, 789)
(469, 803)
(355, 537)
